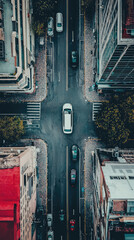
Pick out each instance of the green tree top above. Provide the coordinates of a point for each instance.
(11, 128)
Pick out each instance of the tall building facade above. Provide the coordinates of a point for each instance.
(113, 204)
(18, 183)
(17, 46)
(116, 45)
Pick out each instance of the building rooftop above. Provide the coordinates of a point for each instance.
(118, 177)
(7, 65)
(10, 156)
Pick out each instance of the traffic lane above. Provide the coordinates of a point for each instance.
(73, 21)
(74, 200)
(73, 192)
(52, 129)
(59, 197)
(60, 45)
(14, 108)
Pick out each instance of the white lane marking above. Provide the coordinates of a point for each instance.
(53, 59)
(67, 45)
(67, 205)
(72, 36)
(79, 194)
(73, 212)
(59, 76)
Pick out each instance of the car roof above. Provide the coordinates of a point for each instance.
(67, 106)
(73, 171)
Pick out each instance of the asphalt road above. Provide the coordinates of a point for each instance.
(66, 88)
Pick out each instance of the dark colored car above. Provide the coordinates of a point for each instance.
(74, 59)
(72, 225)
(73, 176)
(75, 152)
(61, 215)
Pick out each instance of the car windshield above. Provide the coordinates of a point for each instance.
(67, 130)
(73, 176)
(49, 29)
(58, 24)
(67, 110)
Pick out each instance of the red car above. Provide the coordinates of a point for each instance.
(72, 224)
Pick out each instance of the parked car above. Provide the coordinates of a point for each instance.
(75, 152)
(61, 215)
(49, 220)
(42, 41)
(73, 176)
(50, 235)
(74, 59)
(59, 22)
(72, 224)
(50, 27)
(67, 118)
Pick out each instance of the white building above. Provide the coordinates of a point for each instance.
(17, 46)
(113, 194)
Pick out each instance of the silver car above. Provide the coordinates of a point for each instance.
(49, 220)
(59, 22)
(50, 27)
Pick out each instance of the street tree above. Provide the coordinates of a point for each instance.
(111, 125)
(11, 129)
(42, 9)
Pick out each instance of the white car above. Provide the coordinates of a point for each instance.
(59, 22)
(42, 41)
(67, 118)
(50, 235)
(49, 220)
(50, 27)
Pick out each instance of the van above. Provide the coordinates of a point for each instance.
(59, 22)
(67, 118)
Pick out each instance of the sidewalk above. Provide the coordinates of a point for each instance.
(40, 81)
(90, 146)
(90, 63)
(42, 170)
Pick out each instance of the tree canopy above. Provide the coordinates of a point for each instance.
(42, 9)
(11, 129)
(115, 121)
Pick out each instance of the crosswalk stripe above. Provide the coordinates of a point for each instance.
(95, 109)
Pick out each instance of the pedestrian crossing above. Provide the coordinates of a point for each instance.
(33, 114)
(95, 109)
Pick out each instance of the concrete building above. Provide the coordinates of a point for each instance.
(17, 47)
(115, 65)
(113, 200)
(18, 183)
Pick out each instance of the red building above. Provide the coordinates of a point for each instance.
(10, 203)
(18, 182)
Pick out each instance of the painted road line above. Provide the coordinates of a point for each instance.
(46, 147)
(58, 76)
(66, 45)
(53, 59)
(79, 197)
(85, 200)
(67, 205)
(72, 36)
(51, 199)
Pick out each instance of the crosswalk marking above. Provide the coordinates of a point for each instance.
(33, 114)
(95, 109)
